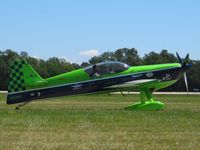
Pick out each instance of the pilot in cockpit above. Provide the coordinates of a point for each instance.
(111, 70)
(94, 71)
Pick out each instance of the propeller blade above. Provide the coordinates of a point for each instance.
(187, 57)
(186, 83)
(179, 58)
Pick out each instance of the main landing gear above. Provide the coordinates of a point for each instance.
(147, 102)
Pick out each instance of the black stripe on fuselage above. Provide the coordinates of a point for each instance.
(92, 86)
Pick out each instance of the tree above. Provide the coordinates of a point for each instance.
(106, 56)
(6, 59)
(159, 58)
(23, 54)
(194, 76)
(85, 64)
(129, 56)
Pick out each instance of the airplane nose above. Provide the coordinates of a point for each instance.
(185, 67)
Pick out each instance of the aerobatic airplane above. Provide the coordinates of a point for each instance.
(26, 85)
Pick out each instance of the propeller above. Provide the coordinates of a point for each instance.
(179, 58)
(186, 83)
(185, 65)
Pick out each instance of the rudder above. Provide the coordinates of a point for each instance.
(22, 77)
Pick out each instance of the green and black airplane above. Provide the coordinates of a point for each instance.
(26, 85)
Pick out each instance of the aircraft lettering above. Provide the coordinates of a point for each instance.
(149, 74)
(32, 94)
(76, 86)
(167, 77)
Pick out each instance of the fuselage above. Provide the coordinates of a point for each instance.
(133, 78)
(110, 77)
(162, 72)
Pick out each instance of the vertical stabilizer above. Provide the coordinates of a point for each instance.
(22, 77)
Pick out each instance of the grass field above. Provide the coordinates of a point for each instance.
(99, 122)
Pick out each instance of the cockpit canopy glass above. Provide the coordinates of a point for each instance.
(106, 68)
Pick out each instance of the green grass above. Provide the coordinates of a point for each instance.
(99, 122)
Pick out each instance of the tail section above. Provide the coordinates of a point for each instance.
(23, 77)
(24, 81)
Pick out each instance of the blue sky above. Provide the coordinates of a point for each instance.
(77, 29)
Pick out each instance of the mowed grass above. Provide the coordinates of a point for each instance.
(100, 122)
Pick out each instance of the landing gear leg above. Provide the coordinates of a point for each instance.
(147, 102)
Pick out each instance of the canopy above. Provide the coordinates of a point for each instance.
(106, 68)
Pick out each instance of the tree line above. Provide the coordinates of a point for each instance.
(54, 66)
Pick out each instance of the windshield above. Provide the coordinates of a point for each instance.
(106, 68)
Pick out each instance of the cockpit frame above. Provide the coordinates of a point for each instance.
(105, 68)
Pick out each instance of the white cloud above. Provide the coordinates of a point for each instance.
(90, 53)
(36, 57)
(71, 60)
